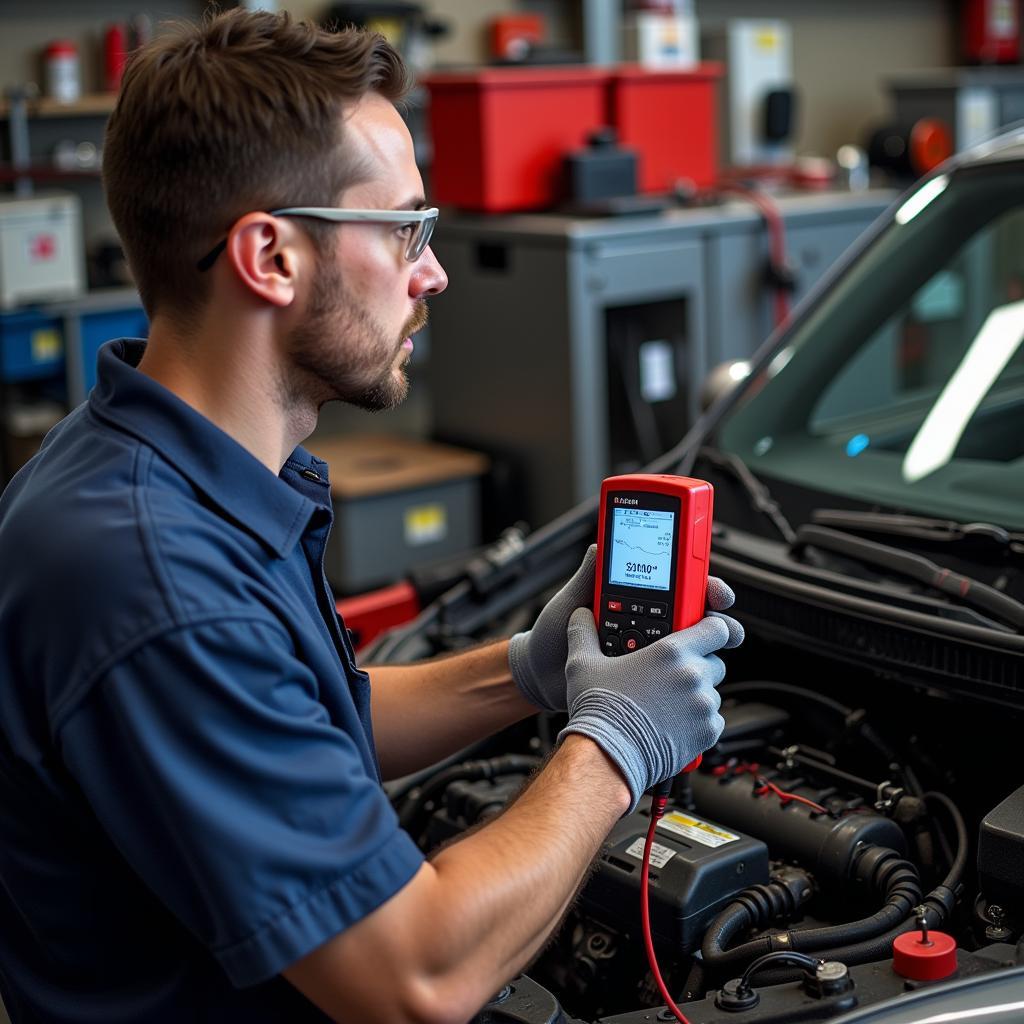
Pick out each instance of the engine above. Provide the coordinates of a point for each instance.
(788, 881)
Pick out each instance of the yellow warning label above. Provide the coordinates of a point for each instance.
(47, 345)
(699, 831)
(766, 39)
(425, 524)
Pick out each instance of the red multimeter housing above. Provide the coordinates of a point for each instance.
(653, 547)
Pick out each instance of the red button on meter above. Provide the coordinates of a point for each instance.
(632, 639)
(614, 606)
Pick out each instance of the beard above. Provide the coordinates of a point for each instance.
(341, 352)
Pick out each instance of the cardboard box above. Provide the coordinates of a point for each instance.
(398, 503)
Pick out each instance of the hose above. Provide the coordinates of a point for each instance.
(882, 869)
(863, 941)
(956, 870)
(937, 909)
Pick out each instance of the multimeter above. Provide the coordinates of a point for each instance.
(653, 548)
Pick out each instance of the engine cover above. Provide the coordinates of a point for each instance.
(696, 868)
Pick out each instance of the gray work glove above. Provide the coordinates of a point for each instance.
(537, 657)
(653, 711)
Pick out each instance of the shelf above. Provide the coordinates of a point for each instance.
(94, 105)
(45, 172)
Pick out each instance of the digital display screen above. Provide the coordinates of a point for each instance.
(641, 550)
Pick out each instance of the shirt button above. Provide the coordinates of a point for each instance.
(310, 474)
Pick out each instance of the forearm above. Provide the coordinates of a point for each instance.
(512, 879)
(481, 909)
(426, 711)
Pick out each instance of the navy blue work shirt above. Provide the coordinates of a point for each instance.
(189, 793)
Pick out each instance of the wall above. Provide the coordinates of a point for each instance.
(843, 49)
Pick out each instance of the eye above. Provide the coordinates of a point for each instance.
(406, 230)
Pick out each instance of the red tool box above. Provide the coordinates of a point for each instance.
(501, 134)
(671, 119)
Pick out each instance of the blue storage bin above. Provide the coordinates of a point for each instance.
(100, 327)
(31, 346)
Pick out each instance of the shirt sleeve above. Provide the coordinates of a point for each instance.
(218, 774)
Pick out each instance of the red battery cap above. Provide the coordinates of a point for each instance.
(924, 955)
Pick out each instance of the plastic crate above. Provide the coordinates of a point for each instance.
(398, 503)
(31, 346)
(100, 327)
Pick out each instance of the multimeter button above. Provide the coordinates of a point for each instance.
(612, 625)
(632, 640)
(636, 608)
(657, 611)
(634, 623)
(612, 646)
(655, 632)
(613, 605)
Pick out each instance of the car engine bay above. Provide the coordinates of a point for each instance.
(825, 822)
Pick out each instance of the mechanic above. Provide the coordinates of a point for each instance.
(194, 826)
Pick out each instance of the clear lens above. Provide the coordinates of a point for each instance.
(420, 239)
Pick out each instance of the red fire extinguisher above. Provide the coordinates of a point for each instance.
(991, 31)
(114, 50)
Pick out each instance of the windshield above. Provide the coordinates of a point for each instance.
(905, 387)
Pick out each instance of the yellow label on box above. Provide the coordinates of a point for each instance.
(47, 345)
(767, 39)
(697, 829)
(425, 524)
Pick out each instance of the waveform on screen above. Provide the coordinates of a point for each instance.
(636, 547)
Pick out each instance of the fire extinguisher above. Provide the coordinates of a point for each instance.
(991, 31)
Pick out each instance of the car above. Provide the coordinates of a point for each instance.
(853, 847)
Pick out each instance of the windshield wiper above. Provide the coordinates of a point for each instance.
(936, 531)
(965, 589)
(759, 495)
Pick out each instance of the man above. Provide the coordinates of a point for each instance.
(193, 824)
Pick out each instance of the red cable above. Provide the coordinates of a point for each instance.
(785, 797)
(657, 810)
(769, 210)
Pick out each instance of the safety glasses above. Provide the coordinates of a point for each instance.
(417, 226)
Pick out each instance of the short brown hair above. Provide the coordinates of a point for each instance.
(238, 112)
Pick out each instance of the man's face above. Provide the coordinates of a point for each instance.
(367, 301)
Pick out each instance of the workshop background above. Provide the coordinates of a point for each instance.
(634, 194)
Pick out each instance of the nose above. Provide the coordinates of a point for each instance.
(428, 278)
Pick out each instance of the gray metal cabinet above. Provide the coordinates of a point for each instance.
(543, 346)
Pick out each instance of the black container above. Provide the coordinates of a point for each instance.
(706, 866)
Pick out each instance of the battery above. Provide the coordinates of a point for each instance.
(697, 867)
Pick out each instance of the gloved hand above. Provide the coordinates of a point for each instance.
(537, 657)
(653, 711)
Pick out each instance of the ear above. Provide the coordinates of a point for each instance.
(266, 254)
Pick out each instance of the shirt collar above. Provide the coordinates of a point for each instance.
(271, 508)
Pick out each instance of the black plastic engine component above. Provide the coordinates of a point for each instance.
(812, 999)
(1001, 851)
(749, 725)
(467, 802)
(697, 867)
(822, 843)
(523, 1001)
